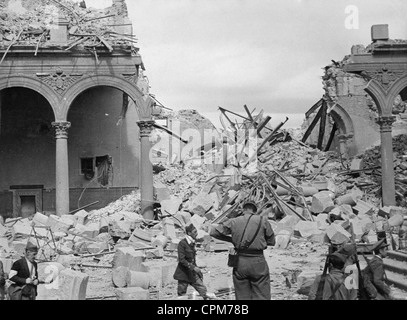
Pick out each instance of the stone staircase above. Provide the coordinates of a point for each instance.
(395, 265)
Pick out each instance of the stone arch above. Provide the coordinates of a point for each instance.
(396, 88)
(96, 81)
(14, 81)
(378, 94)
(342, 119)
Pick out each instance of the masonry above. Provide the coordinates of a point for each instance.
(68, 118)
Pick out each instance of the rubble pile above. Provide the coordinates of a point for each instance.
(30, 25)
(306, 194)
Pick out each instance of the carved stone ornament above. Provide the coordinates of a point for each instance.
(131, 77)
(61, 129)
(386, 123)
(146, 127)
(385, 76)
(59, 81)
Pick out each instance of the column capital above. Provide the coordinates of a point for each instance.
(61, 129)
(146, 127)
(386, 123)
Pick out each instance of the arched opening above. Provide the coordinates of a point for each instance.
(27, 157)
(103, 147)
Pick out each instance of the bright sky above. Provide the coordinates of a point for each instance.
(267, 54)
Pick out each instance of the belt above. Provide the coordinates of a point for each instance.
(242, 252)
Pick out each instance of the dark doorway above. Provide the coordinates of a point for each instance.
(27, 206)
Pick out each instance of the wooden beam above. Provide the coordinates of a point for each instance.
(331, 137)
(312, 125)
(322, 125)
(313, 108)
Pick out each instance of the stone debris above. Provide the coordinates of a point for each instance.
(306, 195)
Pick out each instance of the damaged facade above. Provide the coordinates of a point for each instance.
(72, 93)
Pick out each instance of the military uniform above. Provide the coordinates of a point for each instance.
(251, 277)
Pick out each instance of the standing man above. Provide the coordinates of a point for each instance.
(2, 282)
(335, 285)
(24, 274)
(187, 273)
(375, 271)
(251, 277)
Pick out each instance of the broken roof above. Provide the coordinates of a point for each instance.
(29, 22)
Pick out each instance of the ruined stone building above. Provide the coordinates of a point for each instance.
(365, 100)
(73, 100)
(352, 108)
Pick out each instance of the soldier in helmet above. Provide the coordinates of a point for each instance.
(250, 234)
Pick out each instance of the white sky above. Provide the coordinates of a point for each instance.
(267, 54)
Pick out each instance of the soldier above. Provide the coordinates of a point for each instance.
(334, 286)
(250, 234)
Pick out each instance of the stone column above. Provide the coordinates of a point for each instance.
(388, 184)
(146, 170)
(62, 173)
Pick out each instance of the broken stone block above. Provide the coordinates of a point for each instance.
(201, 204)
(356, 164)
(346, 199)
(128, 257)
(396, 220)
(81, 217)
(308, 191)
(159, 241)
(337, 234)
(97, 247)
(197, 221)
(40, 219)
(7, 264)
(384, 212)
(363, 207)
(161, 274)
(86, 231)
(4, 244)
(170, 206)
(120, 229)
(72, 285)
(137, 279)
(335, 214)
(322, 220)
(119, 276)
(320, 237)
(287, 223)
(23, 229)
(59, 224)
(320, 185)
(132, 294)
(161, 190)
(3, 230)
(169, 228)
(183, 218)
(306, 229)
(347, 211)
(282, 239)
(322, 202)
(141, 235)
(173, 245)
(155, 253)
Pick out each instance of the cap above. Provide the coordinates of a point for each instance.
(348, 249)
(250, 204)
(380, 244)
(189, 228)
(31, 247)
(339, 255)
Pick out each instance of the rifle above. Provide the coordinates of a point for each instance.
(362, 290)
(321, 285)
